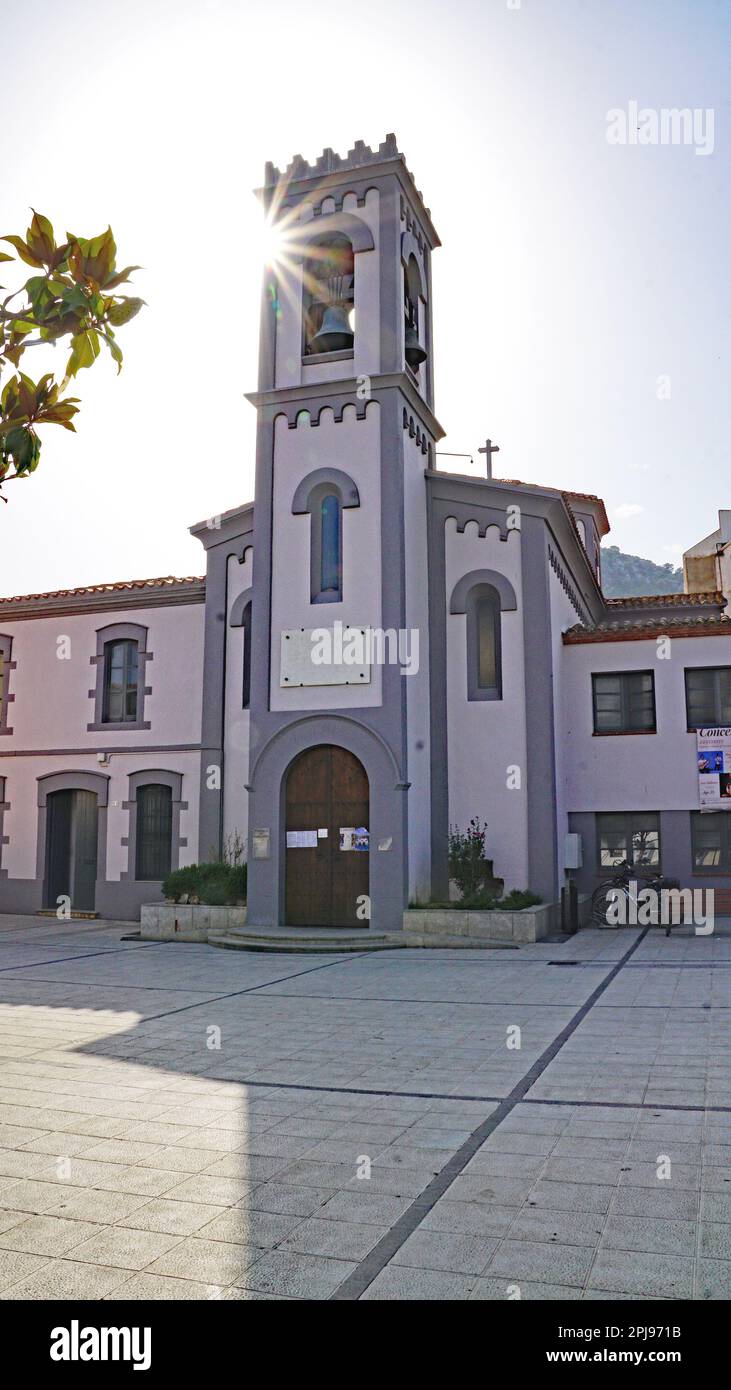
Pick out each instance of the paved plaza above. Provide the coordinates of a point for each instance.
(178, 1121)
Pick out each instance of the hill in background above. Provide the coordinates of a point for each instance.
(626, 576)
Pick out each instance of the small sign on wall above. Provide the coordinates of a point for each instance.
(260, 844)
(714, 769)
(325, 656)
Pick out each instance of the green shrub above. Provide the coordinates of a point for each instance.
(513, 901)
(216, 884)
(467, 863)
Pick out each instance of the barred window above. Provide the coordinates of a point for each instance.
(711, 840)
(154, 832)
(624, 702)
(629, 835)
(708, 696)
(121, 675)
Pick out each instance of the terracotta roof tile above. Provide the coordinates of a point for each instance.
(642, 629)
(711, 599)
(166, 581)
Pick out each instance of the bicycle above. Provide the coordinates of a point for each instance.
(606, 894)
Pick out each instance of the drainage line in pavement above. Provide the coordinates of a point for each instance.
(61, 960)
(363, 1275)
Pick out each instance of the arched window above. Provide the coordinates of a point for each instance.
(326, 494)
(414, 328)
(246, 625)
(328, 295)
(483, 595)
(121, 682)
(330, 579)
(153, 853)
(486, 638)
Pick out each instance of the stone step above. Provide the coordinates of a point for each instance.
(312, 943)
(300, 939)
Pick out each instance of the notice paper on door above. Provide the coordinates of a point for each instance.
(301, 839)
(353, 837)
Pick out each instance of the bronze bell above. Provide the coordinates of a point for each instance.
(413, 351)
(335, 333)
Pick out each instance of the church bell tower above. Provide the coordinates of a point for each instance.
(339, 781)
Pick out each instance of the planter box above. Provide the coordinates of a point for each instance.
(187, 921)
(530, 924)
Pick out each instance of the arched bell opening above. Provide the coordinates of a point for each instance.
(329, 295)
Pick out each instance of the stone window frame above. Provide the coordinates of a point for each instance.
(4, 839)
(120, 632)
(97, 782)
(466, 594)
(309, 496)
(158, 777)
(6, 696)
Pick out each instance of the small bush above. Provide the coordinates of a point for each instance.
(216, 884)
(513, 901)
(467, 864)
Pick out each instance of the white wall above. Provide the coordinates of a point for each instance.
(486, 737)
(417, 686)
(52, 708)
(354, 446)
(653, 772)
(236, 721)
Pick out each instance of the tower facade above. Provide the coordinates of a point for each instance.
(339, 707)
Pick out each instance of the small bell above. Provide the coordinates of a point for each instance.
(413, 351)
(335, 333)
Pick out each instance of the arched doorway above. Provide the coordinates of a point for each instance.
(326, 862)
(71, 848)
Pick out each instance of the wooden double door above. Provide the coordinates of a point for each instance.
(326, 800)
(71, 848)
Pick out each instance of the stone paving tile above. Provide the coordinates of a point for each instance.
(660, 1236)
(14, 1266)
(641, 1273)
(501, 1290)
(157, 1287)
(208, 1261)
(62, 1279)
(714, 1279)
(47, 1235)
(398, 1282)
(298, 1276)
(172, 1218)
(343, 1240)
(123, 1248)
(460, 1254)
(542, 1262)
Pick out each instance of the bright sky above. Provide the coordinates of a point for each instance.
(573, 274)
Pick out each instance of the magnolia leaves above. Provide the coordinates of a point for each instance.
(23, 404)
(73, 294)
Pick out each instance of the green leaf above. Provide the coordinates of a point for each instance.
(41, 240)
(124, 310)
(23, 251)
(84, 351)
(120, 278)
